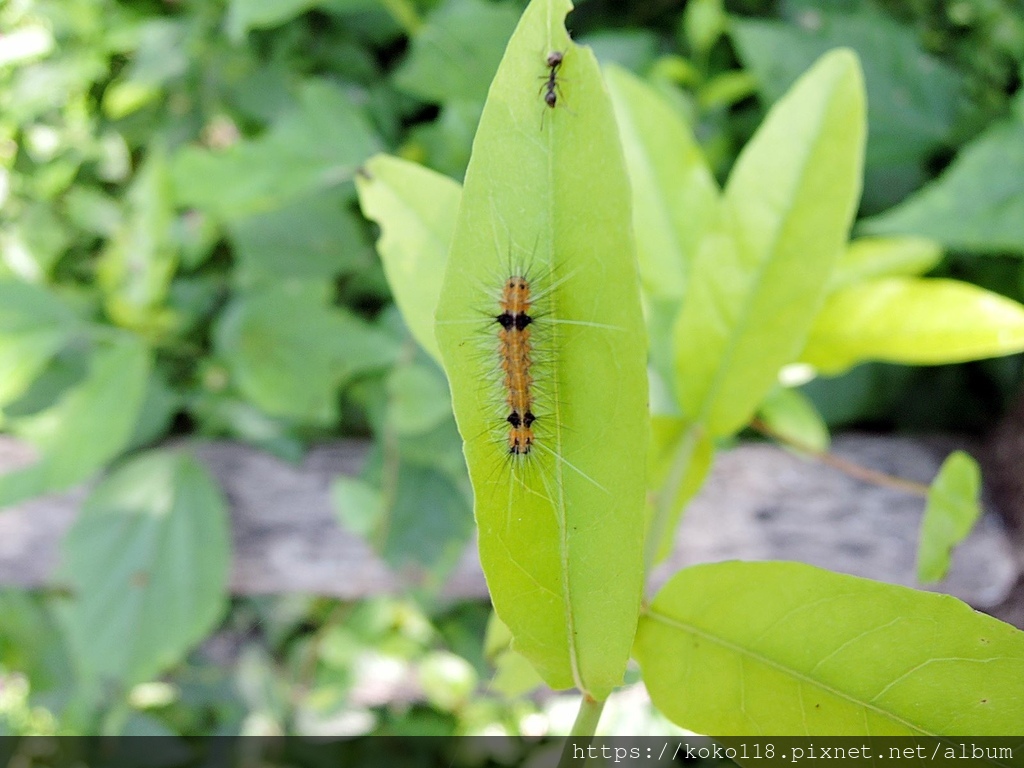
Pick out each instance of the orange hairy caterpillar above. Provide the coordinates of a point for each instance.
(514, 351)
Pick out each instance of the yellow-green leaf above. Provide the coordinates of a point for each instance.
(786, 649)
(952, 510)
(759, 278)
(917, 321)
(674, 192)
(415, 208)
(546, 195)
(870, 257)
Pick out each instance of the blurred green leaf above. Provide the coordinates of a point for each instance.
(456, 53)
(358, 504)
(315, 236)
(148, 558)
(792, 417)
(90, 424)
(419, 399)
(31, 642)
(244, 15)
(289, 350)
(741, 649)
(870, 257)
(977, 204)
(917, 321)
(34, 326)
(415, 209)
(757, 280)
(558, 198)
(704, 21)
(136, 269)
(953, 508)
(674, 193)
(913, 96)
(316, 146)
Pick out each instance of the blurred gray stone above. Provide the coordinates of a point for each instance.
(760, 502)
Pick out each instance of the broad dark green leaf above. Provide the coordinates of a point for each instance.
(244, 15)
(913, 96)
(148, 561)
(315, 146)
(920, 321)
(88, 426)
(316, 236)
(952, 510)
(289, 350)
(764, 266)
(455, 54)
(977, 204)
(34, 325)
(415, 209)
(786, 649)
(561, 526)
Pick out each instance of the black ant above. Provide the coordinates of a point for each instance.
(554, 61)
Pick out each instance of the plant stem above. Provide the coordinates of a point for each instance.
(404, 12)
(845, 466)
(666, 498)
(588, 717)
(582, 733)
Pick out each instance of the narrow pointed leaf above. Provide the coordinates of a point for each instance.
(758, 280)
(673, 189)
(561, 527)
(869, 257)
(953, 508)
(787, 649)
(917, 321)
(415, 209)
(791, 415)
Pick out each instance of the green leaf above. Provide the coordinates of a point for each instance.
(758, 279)
(148, 559)
(313, 147)
(244, 15)
(316, 236)
(704, 21)
(415, 209)
(561, 527)
(455, 54)
(136, 269)
(977, 204)
(870, 257)
(34, 326)
(674, 193)
(418, 399)
(90, 425)
(915, 321)
(953, 509)
(734, 649)
(791, 415)
(913, 96)
(31, 641)
(289, 350)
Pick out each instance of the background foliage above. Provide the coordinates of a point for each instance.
(181, 253)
